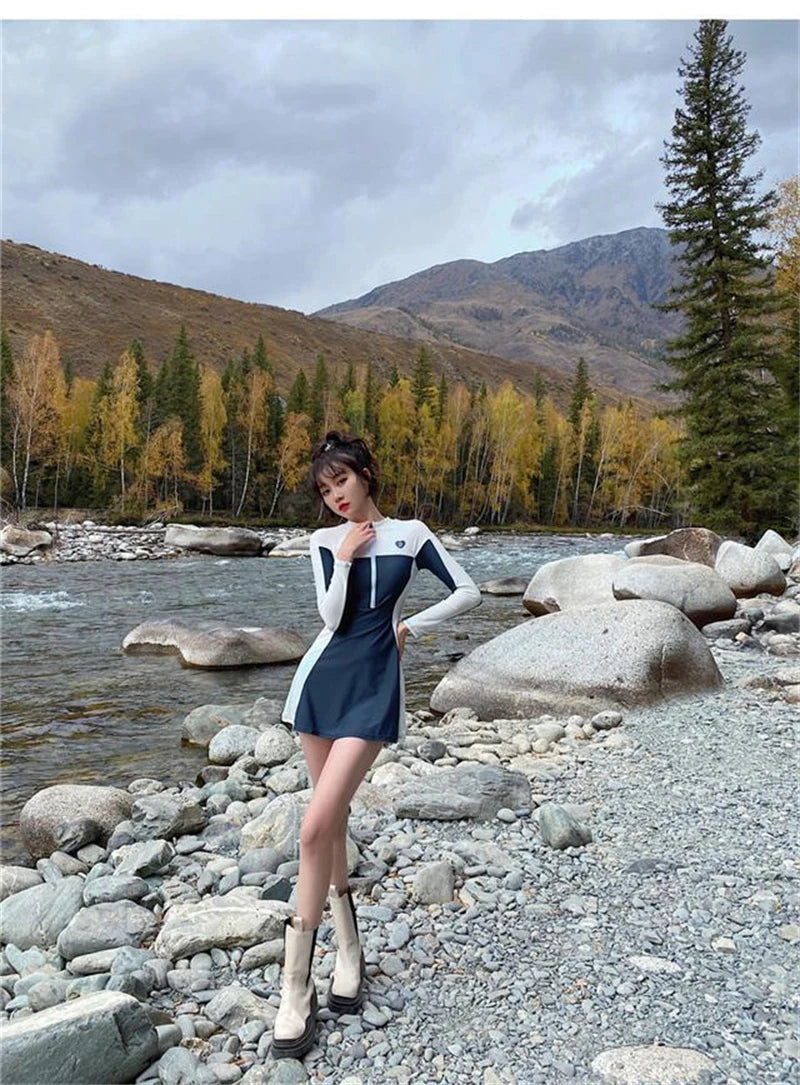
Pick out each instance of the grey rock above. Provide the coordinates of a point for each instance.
(232, 743)
(114, 887)
(166, 815)
(101, 1039)
(654, 1065)
(62, 804)
(507, 585)
(13, 879)
(215, 645)
(202, 723)
(233, 920)
(92, 964)
(274, 746)
(277, 826)
(686, 543)
(37, 916)
(74, 835)
(233, 1006)
(606, 721)
(583, 660)
(144, 858)
(749, 572)
(560, 829)
(434, 883)
(47, 993)
(572, 582)
(260, 860)
(106, 926)
(19, 542)
(179, 1066)
(225, 541)
(728, 630)
(474, 791)
(694, 589)
(772, 543)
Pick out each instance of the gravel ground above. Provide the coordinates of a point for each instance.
(672, 927)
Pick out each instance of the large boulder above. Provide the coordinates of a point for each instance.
(773, 543)
(582, 661)
(687, 543)
(100, 1039)
(474, 791)
(13, 879)
(215, 645)
(694, 589)
(572, 582)
(277, 826)
(237, 919)
(167, 815)
(19, 542)
(747, 571)
(45, 815)
(227, 541)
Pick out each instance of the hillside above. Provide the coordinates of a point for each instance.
(94, 313)
(593, 298)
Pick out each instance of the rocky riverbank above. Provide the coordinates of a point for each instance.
(533, 894)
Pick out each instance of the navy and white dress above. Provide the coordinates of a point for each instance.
(350, 681)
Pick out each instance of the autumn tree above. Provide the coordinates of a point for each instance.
(785, 229)
(35, 398)
(212, 426)
(293, 453)
(734, 457)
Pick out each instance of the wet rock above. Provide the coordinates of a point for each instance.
(201, 724)
(225, 541)
(215, 645)
(507, 585)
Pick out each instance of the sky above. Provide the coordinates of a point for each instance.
(301, 163)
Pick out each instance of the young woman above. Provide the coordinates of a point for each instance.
(346, 701)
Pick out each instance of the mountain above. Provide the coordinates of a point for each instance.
(593, 298)
(94, 314)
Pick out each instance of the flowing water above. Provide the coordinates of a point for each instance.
(75, 709)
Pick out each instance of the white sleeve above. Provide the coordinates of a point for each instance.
(464, 595)
(330, 581)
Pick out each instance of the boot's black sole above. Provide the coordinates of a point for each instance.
(300, 1045)
(340, 1004)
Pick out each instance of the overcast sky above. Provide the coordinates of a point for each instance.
(303, 163)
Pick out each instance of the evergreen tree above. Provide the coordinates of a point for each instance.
(394, 377)
(320, 391)
(6, 378)
(539, 388)
(422, 380)
(260, 359)
(371, 402)
(736, 463)
(299, 395)
(581, 391)
(145, 379)
(349, 382)
(177, 392)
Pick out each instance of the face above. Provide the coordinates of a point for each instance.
(345, 492)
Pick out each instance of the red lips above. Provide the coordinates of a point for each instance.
(343, 508)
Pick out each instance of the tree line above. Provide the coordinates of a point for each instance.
(229, 444)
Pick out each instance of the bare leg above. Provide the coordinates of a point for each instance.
(315, 751)
(325, 821)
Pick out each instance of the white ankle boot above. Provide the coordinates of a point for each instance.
(296, 1022)
(344, 994)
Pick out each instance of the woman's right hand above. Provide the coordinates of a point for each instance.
(357, 538)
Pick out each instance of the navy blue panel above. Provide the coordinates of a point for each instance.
(327, 565)
(428, 558)
(354, 687)
(392, 573)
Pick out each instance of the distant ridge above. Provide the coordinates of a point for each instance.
(592, 298)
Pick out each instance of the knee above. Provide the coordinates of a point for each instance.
(315, 832)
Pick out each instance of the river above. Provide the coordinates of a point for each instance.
(75, 709)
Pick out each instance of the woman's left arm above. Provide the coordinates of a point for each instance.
(464, 593)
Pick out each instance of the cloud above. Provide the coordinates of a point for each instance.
(301, 163)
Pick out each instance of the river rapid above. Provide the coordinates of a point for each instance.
(75, 709)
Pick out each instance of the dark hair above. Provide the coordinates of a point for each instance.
(342, 450)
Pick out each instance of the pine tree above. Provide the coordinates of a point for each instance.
(371, 398)
(320, 396)
(422, 380)
(299, 395)
(736, 463)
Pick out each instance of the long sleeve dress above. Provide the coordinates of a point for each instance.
(350, 681)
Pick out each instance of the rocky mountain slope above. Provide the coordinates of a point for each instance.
(94, 313)
(593, 298)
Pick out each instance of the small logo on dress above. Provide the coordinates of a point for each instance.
(400, 543)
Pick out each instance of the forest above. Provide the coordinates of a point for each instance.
(143, 443)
